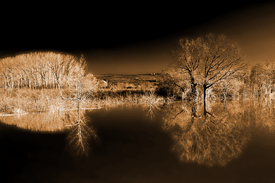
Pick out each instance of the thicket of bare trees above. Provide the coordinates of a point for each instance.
(262, 79)
(255, 82)
(43, 70)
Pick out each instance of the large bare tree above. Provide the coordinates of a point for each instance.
(187, 57)
(222, 58)
(207, 60)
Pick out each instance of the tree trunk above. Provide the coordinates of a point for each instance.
(20, 81)
(42, 81)
(194, 110)
(29, 82)
(49, 82)
(193, 89)
(78, 107)
(5, 83)
(225, 97)
(204, 98)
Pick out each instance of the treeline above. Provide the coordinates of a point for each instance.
(262, 78)
(255, 81)
(44, 70)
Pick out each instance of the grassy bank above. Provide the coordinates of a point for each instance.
(22, 101)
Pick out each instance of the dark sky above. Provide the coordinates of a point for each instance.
(138, 38)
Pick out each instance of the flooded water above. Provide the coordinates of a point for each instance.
(222, 143)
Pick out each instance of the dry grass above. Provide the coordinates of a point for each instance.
(45, 110)
(49, 100)
(46, 122)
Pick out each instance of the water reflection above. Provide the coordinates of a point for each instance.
(80, 132)
(212, 137)
(74, 122)
(262, 115)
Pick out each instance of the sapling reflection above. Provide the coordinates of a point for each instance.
(152, 101)
(80, 133)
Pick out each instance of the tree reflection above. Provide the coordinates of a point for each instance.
(262, 113)
(73, 120)
(212, 138)
(80, 132)
(151, 101)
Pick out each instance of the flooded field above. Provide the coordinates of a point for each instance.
(176, 142)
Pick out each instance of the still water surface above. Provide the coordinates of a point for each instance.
(175, 146)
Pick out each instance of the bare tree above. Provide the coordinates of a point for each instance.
(56, 66)
(222, 58)
(187, 58)
(207, 60)
(263, 78)
(4, 73)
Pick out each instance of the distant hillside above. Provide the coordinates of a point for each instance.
(130, 78)
(131, 81)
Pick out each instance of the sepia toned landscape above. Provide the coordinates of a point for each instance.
(175, 103)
